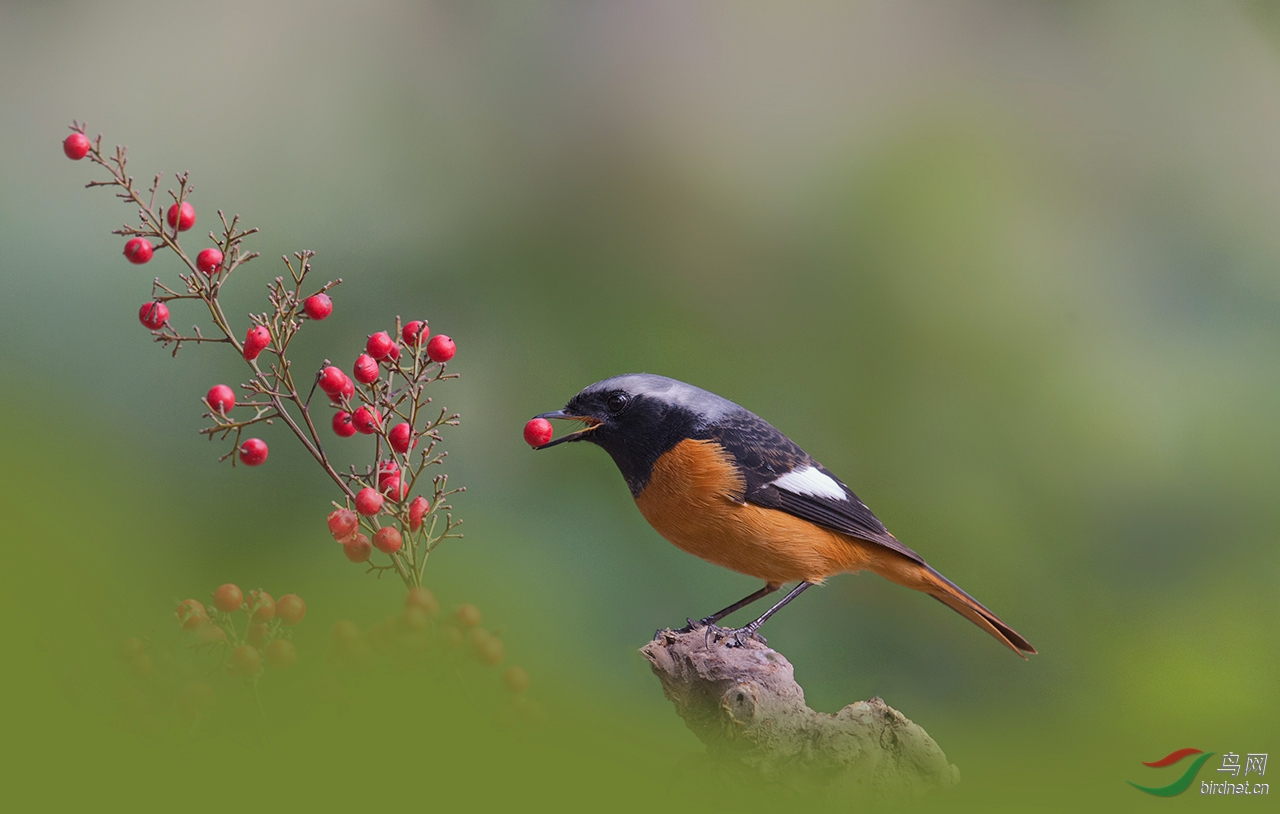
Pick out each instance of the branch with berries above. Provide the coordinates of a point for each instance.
(387, 401)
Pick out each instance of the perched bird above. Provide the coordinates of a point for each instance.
(722, 483)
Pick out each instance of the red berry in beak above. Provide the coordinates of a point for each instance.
(537, 431)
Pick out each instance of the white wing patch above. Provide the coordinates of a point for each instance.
(811, 481)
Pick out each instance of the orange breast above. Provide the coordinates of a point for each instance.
(694, 499)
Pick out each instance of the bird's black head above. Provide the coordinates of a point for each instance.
(637, 417)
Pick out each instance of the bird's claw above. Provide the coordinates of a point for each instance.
(737, 637)
(732, 637)
(692, 625)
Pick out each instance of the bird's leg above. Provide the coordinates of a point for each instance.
(741, 603)
(750, 629)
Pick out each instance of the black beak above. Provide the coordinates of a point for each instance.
(591, 422)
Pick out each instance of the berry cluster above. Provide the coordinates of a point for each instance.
(387, 400)
(414, 637)
(262, 642)
(234, 640)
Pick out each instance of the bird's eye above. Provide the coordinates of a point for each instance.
(617, 403)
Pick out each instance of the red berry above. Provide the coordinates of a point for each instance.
(537, 431)
(138, 250)
(342, 522)
(358, 548)
(244, 662)
(220, 398)
(76, 146)
(414, 332)
(195, 697)
(365, 420)
(262, 605)
(318, 306)
(379, 345)
(153, 315)
(257, 635)
(348, 389)
(130, 649)
(331, 380)
(227, 598)
(209, 633)
(208, 261)
(417, 508)
(387, 540)
(253, 452)
(281, 654)
(467, 615)
(420, 597)
(401, 438)
(142, 667)
(365, 369)
(516, 679)
(290, 608)
(388, 478)
(489, 648)
(393, 355)
(191, 614)
(342, 426)
(344, 633)
(441, 348)
(181, 217)
(414, 618)
(368, 501)
(256, 340)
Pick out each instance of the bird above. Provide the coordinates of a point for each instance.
(723, 484)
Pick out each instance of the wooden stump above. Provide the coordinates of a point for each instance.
(744, 704)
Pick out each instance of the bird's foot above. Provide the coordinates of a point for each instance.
(692, 625)
(689, 627)
(738, 637)
(732, 637)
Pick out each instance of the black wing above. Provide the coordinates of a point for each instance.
(764, 454)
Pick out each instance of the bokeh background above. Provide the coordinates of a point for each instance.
(1009, 268)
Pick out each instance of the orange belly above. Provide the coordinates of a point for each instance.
(694, 499)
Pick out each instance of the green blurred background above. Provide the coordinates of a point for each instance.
(1009, 268)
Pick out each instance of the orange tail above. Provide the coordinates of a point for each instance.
(922, 578)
